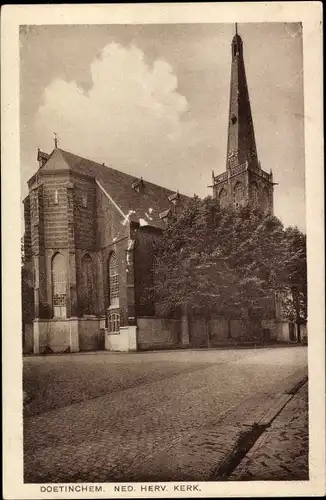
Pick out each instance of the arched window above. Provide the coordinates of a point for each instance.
(88, 289)
(265, 200)
(238, 194)
(254, 195)
(113, 280)
(114, 323)
(59, 286)
(223, 197)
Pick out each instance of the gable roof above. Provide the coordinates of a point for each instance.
(145, 204)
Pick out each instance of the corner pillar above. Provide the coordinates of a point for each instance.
(36, 337)
(73, 335)
(72, 304)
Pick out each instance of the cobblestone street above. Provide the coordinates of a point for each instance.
(149, 416)
(282, 450)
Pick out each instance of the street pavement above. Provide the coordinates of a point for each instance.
(282, 450)
(172, 415)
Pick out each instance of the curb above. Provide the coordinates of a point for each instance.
(254, 427)
(224, 347)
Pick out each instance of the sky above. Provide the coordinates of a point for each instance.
(152, 100)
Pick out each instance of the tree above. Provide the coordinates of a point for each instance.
(294, 298)
(230, 262)
(27, 289)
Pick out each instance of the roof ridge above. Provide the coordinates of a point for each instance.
(120, 172)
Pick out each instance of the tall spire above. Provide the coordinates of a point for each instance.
(241, 137)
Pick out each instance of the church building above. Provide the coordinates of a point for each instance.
(89, 232)
(88, 242)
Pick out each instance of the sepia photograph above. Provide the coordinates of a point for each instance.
(165, 321)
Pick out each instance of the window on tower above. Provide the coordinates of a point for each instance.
(238, 194)
(223, 198)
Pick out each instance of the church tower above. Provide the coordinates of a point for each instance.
(244, 181)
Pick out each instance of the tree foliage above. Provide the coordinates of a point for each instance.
(27, 290)
(294, 298)
(230, 262)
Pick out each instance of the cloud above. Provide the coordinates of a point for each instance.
(133, 115)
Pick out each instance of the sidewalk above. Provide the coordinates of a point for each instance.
(281, 452)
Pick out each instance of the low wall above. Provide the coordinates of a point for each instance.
(273, 327)
(88, 334)
(51, 335)
(66, 335)
(198, 331)
(122, 342)
(219, 330)
(241, 329)
(156, 333)
(283, 332)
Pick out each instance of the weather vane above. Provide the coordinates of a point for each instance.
(55, 139)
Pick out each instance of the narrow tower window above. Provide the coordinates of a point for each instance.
(223, 198)
(56, 197)
(113, 278)
(238, 194)
(59, 286)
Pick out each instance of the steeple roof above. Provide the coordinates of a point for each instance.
(241, 137)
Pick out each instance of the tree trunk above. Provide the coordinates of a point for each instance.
(296, 301)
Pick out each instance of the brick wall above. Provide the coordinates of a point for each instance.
(27, 232)
(85, 213)
(37, 220)
(111, 236)
(158, 332)
(55, 211)
(109, 221)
